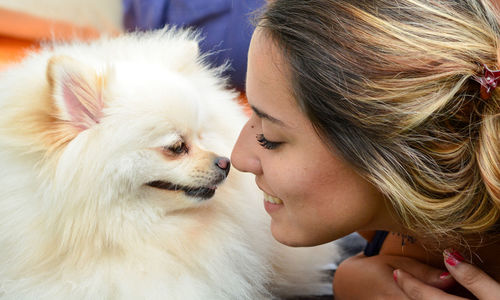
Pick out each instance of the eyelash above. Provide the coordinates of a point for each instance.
(267, 143)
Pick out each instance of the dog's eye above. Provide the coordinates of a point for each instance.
(178, 148)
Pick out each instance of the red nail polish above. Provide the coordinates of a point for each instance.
(395, 275)
(457, 255)
(453, 257)
(451, 261)
(445, 275)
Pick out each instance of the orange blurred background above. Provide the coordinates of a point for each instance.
(22, 32)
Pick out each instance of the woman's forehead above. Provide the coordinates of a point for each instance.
(268, 89)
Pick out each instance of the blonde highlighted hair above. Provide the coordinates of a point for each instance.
(388, 84)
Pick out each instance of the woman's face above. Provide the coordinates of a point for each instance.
(312, 195)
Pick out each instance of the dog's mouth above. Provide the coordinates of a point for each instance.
(197, 192)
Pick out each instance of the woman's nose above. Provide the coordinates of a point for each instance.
(244, 156)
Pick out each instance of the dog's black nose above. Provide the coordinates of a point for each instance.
(223, 163)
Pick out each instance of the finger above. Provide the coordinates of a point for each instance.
(425, 273)
(418, 290)
(472, 278)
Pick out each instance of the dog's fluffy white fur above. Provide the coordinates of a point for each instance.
(84, 128)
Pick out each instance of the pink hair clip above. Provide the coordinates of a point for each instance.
(488, 81)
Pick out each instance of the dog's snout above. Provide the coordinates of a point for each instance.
(223, 163)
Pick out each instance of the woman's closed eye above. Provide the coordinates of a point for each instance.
(267, 143)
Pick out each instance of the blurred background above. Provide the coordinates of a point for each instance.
(224, 25)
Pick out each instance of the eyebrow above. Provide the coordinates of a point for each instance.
(263, 115)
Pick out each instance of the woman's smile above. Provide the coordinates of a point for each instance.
(272, 199)
(272, 204)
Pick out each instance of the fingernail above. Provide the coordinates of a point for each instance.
(395, 275)
(445, 275)
(452, 257)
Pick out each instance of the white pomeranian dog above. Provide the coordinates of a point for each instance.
(114, 181)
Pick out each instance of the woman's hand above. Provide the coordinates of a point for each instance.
(476, 281)
(361, 277)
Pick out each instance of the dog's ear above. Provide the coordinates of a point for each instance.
(77, 91)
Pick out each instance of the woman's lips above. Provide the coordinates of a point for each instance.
(272, 204)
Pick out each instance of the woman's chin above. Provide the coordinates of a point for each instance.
(284, 235)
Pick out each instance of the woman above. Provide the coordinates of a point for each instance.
(377, 115)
